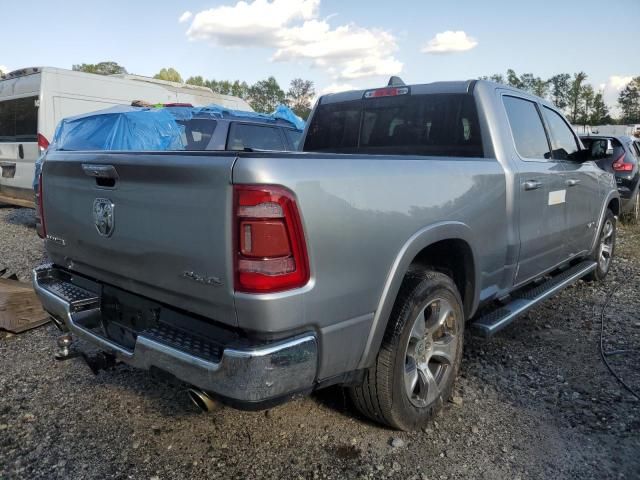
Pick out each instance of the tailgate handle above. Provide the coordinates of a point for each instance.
(100, 171)
(105, 175)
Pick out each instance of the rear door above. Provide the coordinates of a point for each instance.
(541, 191)
(581, 185)
(156, 224)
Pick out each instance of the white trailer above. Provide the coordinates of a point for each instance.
(33, 101)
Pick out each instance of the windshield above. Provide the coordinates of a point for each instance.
(434, 124)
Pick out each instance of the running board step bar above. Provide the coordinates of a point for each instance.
(493, 322)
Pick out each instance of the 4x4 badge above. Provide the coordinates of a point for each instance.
(103, 216)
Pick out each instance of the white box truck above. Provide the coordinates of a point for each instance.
(33, 101)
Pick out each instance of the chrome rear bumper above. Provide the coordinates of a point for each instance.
(255, 374)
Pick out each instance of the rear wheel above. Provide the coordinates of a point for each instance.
(603, 253)
(420, 356)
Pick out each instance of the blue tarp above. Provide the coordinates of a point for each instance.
(145, 129)
(120, 128)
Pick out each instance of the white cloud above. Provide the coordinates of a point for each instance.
(337, 87)
(611, 90)
(185, 17)
(450, 42)
(294, 30)
(4, 69)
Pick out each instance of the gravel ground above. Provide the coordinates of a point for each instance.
(534, 402)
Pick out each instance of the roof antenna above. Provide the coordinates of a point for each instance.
(395, 82)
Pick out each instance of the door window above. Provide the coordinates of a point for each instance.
(526, 128)
(19, 120)
(563, 142)
(256, 137)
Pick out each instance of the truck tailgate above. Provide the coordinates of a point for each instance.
(169, 239)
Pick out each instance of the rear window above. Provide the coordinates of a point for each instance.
(19, 120)
(256, 137)
(434, 124)
(197, 132)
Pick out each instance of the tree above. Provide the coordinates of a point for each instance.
(575, 93)
(629, 102)
(560, 90)
(198, 81)
(240, 89)
(169, 74)
(599, 112)
(266, 95)
(102, 68)
(513, 80)
(586, 104)
(300, 96)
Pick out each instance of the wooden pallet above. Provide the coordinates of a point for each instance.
(20, 308)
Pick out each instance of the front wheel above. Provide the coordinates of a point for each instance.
(420, 356)
(603, 253)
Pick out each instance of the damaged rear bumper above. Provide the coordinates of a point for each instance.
(254, 374)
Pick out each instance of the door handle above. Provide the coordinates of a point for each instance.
(21, 152)
(572, 182)
(532, 185)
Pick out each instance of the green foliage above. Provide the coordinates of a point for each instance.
(560, 90)
(168, 74)
(629, 102)
(266, 95)
(300, 96)
(102, 68)
(576, 92)
(197, 81)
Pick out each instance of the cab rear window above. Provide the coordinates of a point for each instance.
(434, 125)
(19, 120)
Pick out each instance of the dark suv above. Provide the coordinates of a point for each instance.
(620, 156)
(238, 132)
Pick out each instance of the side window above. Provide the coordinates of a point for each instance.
(294, 137)
(527, 129)
(258, 137)
(636, 149)
(563, 142)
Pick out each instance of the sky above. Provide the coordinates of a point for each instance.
(338, 44)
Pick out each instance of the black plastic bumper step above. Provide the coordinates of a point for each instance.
(185, 342)
(492, 322)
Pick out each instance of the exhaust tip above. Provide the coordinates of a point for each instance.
(202, 400)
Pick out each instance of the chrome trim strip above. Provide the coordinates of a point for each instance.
(251, 375)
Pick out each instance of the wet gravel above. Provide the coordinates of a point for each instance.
(536, 401)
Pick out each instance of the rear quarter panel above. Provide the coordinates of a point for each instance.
(359, 213)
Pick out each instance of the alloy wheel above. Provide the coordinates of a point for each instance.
(431, 352)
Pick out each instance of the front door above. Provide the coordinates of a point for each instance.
(541, 191)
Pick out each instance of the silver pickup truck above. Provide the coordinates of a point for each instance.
(412, 213)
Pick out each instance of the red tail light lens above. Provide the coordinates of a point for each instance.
(40, 200)
(270, 249)
(620, 166)
(386, 92)
(43, 143)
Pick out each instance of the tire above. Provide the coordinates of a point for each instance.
(604, 249)
(417, 364)
(634, 214)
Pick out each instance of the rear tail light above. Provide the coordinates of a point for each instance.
(270, 249)
(42, 232)
(43, 143)
(621, 166)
